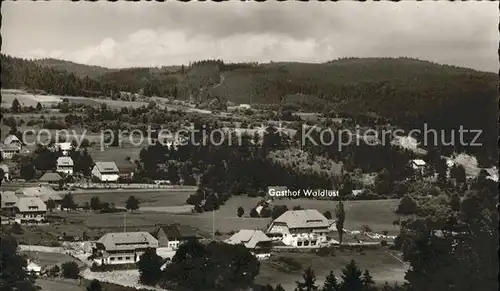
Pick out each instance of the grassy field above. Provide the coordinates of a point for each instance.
(146, 198)
(59, 285)
(382, 265)
(378, 215)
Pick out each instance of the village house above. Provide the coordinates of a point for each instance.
(418, 165)
(8, 203)
(6, 173)
(65, 165)
(64, 147)
(50, 178)
(13, 140)
(106, 171)
(33, 268)
(45, 193)
(256, 241)
(122, 248)
(301, 228)
(9, 150)
(173, 235)
(30, 210)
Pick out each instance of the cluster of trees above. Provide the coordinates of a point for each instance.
(450, 240)
(195, 266)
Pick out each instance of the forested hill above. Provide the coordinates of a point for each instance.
(78, 69)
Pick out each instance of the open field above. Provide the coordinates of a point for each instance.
(146, 198)
(27, 99)
(382, 266)
(377, 214)
(59, 285)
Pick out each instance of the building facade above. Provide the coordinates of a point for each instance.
(65, 165)
(172, 236)
(30, 210)
(256, 241)
(9, 150)
(301, 228)
(106, 171)
(122, 248)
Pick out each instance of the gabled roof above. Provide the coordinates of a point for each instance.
(419, 162)
(107, 167)
(50, 177)
(250, 238)
(43, 192)
(10, 139)
(303, 218)
(177, 231)
(9, 147)
(64, 161)
(116, 241)
(8, 197)
(25, 204)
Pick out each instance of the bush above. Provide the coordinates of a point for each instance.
(254, 213)
(16, 228)
(407, 206)
(328, 214)
(366, 228)
(70, 270)
(325, 251)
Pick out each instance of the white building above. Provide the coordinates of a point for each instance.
(30, 210)
(301, 228)
(9, 150)
(33, 268)
(244, 106)
(64, 147)
(13, 140)
(65, 165)
(418, 165)
(173, 235)
(256, 241)
(106, 171)
(122, 248)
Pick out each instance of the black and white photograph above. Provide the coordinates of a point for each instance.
(249, 146)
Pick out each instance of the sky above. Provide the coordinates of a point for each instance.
(128, 34)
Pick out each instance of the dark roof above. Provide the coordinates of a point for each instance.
(50, 177)
(174, 231)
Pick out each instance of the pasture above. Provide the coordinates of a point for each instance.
(163, 207)
(59, 285)
(383, 266)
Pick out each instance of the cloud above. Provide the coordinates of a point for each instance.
(128, 34)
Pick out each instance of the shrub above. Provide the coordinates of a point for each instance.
(70, 270)
(407, 206)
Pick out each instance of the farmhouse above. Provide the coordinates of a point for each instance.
(254, 240)
(105, 171)
(65, 165)
(30, 210)
(50, 177)
(13, 140)
(9, 201)
(6, 174)
(9, 150)
(122, 248)
(301, 228)
(418, 165)
(244, 106)
(33, 268)
(173, 235)
(45, 193)
(64, 147)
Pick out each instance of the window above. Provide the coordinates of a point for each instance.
(299, 243)
(313, 243)
(127, 258)
(112, 258)
(120, 258)
(306, 243)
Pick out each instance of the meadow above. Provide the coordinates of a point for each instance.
(383, 266)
